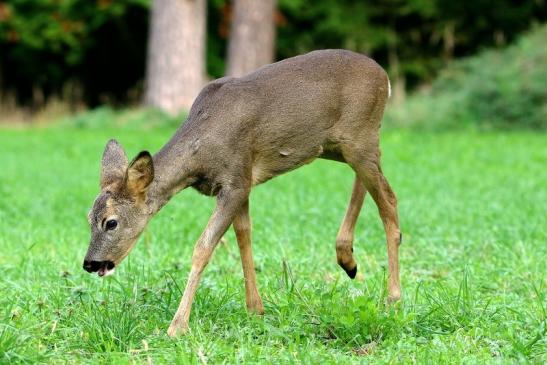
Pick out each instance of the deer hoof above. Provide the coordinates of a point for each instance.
(255, 307)
(394, 298)
(175, 331)
(351, 272)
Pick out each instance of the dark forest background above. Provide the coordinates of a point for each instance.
(87, 53)
(94, 52)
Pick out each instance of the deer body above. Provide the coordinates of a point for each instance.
(241, 132)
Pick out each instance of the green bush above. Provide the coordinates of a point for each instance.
(497, 89)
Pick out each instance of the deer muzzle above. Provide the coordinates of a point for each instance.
(102, 268)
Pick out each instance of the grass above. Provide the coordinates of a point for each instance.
(472, 208)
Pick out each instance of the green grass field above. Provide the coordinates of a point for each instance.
(473, 211)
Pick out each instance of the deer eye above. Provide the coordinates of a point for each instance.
(111, 224)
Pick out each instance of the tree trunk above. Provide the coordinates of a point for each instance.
(449, 42)
(176, 54)
(398, 79)
(252, 36)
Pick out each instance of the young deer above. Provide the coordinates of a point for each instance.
(242, 132)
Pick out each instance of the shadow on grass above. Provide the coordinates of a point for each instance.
(298, 313)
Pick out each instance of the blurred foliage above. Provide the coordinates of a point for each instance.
(497, 89)
(105, 117)
(412, 38)
(98, 45)
(95, 50)
(61, 27)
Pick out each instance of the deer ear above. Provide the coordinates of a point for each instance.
(114, 164)
(140, 174)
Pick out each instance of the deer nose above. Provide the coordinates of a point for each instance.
(93, 266)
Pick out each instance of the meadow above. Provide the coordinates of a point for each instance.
(473, 210)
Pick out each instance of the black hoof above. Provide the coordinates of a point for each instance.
(351, 273)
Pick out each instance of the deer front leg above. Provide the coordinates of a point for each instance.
(228, 204)
(242, 228)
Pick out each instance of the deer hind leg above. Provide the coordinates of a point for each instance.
(242, 228)
(344, 239)
(369, 171)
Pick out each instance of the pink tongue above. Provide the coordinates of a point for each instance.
(101, 271)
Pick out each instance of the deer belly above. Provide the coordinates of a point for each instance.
(284, 160)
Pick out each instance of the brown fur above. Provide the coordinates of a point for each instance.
(242, 132)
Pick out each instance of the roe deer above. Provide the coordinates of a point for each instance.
(242, 132)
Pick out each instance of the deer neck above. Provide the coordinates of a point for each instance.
(173, 171)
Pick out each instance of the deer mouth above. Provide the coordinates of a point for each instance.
(102, 268)
(107, 268)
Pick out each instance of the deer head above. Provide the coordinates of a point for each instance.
(120, 213)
